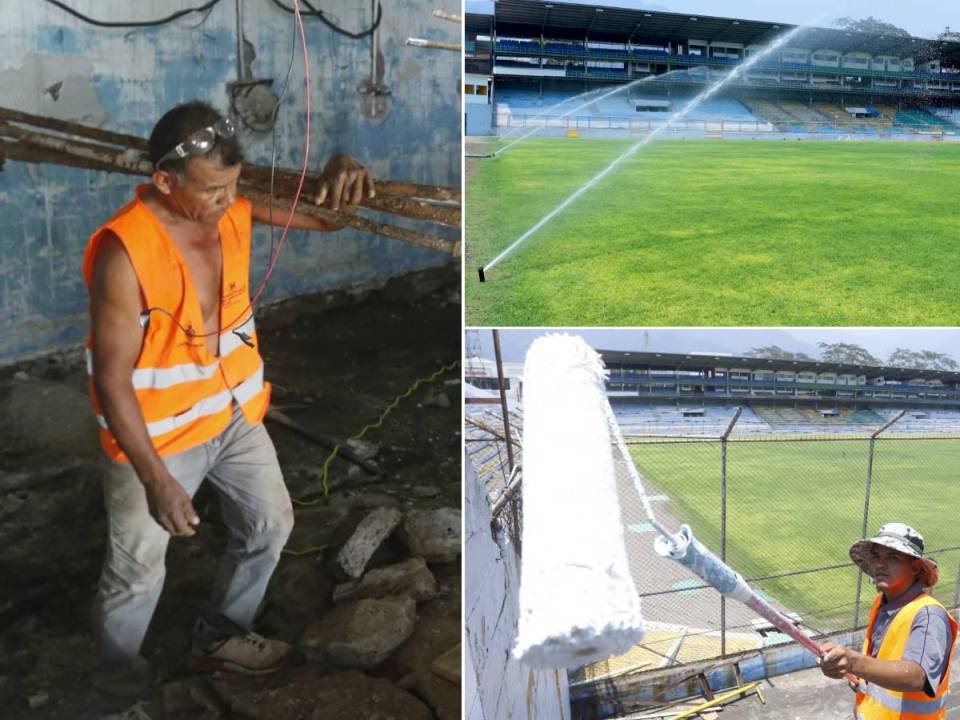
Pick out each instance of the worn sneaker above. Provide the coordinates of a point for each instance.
(250, 654)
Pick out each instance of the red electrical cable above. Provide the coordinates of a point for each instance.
(303, 172)
(293, 208)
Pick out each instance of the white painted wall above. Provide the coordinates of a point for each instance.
(496, 686)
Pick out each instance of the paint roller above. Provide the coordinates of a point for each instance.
(578, 602)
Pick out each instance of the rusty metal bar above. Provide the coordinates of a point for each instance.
(411, 237)
(392, 188)
(50, 148)
(384, 187)
(486, 428)
(71, 128)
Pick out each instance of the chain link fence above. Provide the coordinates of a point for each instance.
(783, 512)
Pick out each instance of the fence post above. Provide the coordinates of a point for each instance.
(866, 510)
(503, 398)
(723, 523)
(956, 592)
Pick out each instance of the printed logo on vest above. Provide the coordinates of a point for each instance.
(234, 293)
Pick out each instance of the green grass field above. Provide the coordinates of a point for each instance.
(717, 233)
(798, 505)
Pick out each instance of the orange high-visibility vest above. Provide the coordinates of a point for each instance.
(185, 392)
(876, 703)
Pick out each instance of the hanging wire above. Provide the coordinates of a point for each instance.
(133, 23)
(314, 12)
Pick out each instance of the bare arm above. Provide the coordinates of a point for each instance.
(897, 675)
(117, 336)
(301, 221)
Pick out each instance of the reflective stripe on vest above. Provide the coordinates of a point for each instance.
(876, 703)
(902, 704)
(242, 393)
(160, 378)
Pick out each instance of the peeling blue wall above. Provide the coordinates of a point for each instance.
(123, 79)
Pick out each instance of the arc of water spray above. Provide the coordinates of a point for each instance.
(618, 89)
(736, 72)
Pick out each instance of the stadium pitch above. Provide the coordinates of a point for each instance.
(797, 505)
(707, 232)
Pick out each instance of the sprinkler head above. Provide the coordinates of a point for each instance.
(482, 278)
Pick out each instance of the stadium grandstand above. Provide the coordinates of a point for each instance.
(528, 57)
(697, 395)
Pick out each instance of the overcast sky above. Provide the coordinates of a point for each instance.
(880, 342)
(922, 18)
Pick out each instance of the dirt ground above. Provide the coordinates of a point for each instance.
(336, 363)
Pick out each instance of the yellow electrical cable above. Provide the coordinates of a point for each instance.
(383, 416)
(305, 551)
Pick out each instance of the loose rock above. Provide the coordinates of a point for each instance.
(307, 694)
(360, 634)
(411, 578)
(433, 535)
(366, 538)
(38, 700)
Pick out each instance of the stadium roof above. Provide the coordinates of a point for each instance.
(561, 20)
(478, 24)
(705, 362)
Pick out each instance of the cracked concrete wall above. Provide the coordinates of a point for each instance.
(123, 79)
(496, 686)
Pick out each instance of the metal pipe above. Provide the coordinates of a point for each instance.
(723, 522)
(443, 14)
(411, 237)
(863, 528)
(241, 75)
(503, 398)
(436, 44)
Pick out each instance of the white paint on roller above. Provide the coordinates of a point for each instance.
(578, 602)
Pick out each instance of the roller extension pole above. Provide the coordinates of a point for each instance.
(686, 550)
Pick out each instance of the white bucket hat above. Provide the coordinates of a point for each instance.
(901, 538)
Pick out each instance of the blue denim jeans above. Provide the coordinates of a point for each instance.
(241, 463)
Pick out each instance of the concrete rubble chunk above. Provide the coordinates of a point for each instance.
(438, 399)
(360, 634)
(441, 695)
(411, 578)
(38, 700)
(433, 535)
(363, 449)
(372, 530)
(312, 693)
(176, 695)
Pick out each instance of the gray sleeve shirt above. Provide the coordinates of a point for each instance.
(929, 641)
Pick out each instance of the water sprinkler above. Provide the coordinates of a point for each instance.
(480, 270)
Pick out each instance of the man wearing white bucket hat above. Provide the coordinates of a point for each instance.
(904, 667)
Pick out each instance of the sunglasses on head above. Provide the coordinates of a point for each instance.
(200, 142)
